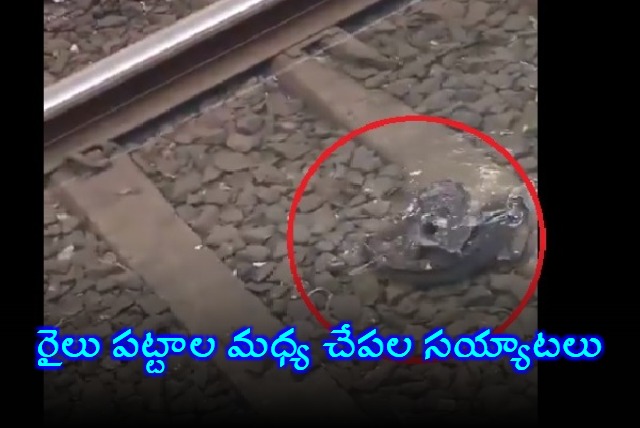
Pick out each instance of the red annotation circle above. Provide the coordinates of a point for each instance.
(402, 119)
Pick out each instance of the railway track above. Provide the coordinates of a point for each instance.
(205, 140)
(80, 32)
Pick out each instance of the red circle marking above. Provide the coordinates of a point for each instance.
(416, 118)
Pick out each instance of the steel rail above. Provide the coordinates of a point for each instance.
(185, 75)
(152, 50)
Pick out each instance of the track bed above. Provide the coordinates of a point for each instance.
(226, 166)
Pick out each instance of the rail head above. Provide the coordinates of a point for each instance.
(136, 58)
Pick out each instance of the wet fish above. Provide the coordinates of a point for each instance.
(460, 245)
(480, 253)
(438, 216)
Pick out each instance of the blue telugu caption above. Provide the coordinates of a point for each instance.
(53, 348)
